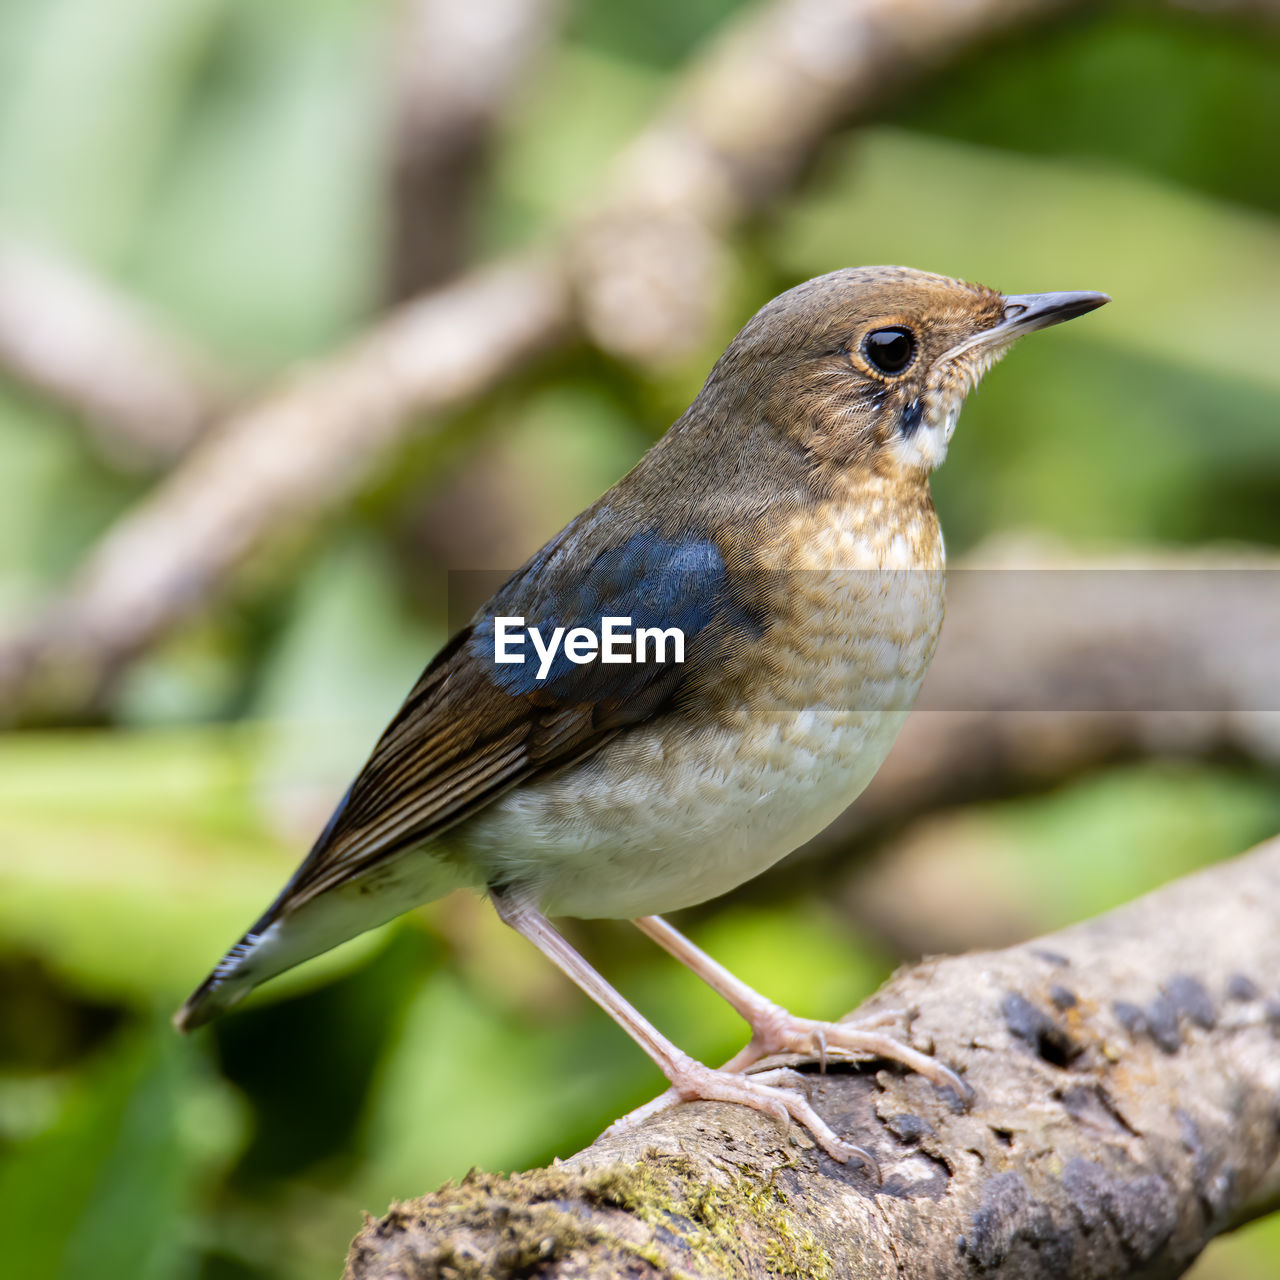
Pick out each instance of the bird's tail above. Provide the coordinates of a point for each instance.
(285, 936)
(291, 932)
(280, 939)
(233, 977)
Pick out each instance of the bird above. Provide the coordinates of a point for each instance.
(783, 531)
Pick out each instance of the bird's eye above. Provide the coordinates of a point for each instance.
(890, 350)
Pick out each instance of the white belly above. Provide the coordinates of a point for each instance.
(674, 813)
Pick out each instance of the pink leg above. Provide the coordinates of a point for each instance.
(689, 1079)
(774, 1030)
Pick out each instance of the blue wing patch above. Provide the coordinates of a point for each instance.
(657, 582)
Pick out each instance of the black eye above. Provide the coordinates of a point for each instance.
(890, 350)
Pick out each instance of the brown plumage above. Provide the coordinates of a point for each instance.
(783, 525)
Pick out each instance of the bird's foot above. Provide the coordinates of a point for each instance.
(762, 1092)
(775, 1030)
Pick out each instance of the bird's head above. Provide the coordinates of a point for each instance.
(868, 367)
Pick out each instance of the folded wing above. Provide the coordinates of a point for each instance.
(472, 728)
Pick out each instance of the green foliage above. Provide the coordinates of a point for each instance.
(1180, 97)
(130, 861)
(225, 160)
(106, 1189)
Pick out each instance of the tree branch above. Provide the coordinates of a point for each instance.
(739, 130)
(1126, 1073)
(744, 120)
(277, 464)
(456, 69)
(143, 392)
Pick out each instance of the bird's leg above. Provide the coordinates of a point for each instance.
(775, 1030)
(690, 1080)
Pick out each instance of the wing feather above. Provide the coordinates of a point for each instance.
(471, 729)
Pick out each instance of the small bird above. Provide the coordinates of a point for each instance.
(782, 532)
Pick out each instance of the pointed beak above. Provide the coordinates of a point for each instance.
(1027, 312)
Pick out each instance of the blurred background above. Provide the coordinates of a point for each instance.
(209, 210)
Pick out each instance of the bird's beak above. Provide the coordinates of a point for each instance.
(1027, 312)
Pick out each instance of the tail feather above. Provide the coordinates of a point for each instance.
(289, 934)
(241, 969)
(228, 984)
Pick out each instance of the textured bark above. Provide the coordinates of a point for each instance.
(1127, 1109)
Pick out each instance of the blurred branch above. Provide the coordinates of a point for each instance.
(739, 130)
(1125, 1074)
(1050, 666)
(278, 463)
(456, 69)
(143, 391)
(742, 123)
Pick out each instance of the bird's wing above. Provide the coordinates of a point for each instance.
(472, 728)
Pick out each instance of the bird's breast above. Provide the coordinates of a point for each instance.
(693, 803)
(857, 600)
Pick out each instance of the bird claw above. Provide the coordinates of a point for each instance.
(854, 1041)
(775, 1030)
(763, 1092)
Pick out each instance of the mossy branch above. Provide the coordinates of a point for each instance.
(1127, 1110)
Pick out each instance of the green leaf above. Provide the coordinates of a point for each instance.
(106, 1192)
(130, 861)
